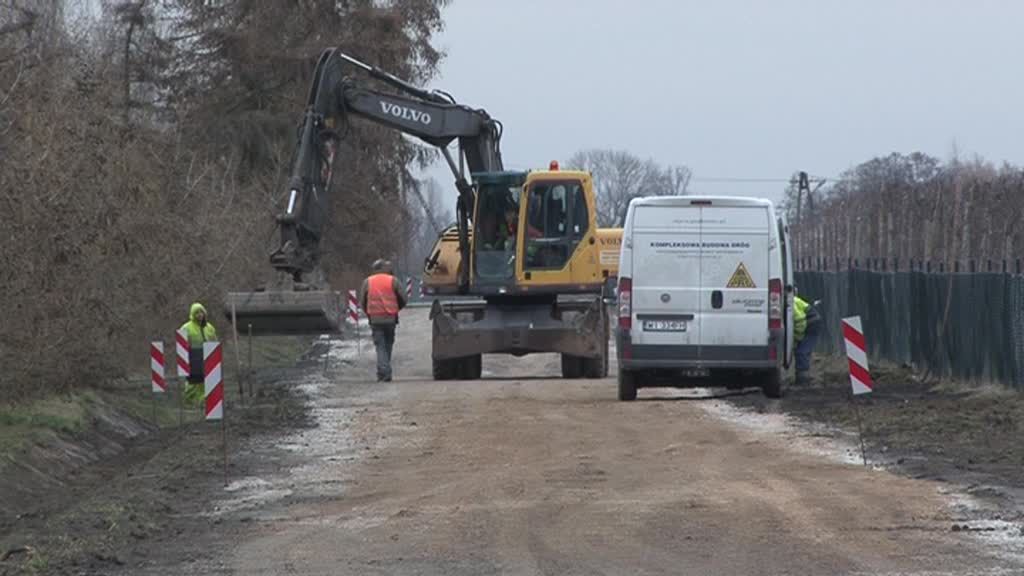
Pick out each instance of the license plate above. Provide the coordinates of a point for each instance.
(664, 325)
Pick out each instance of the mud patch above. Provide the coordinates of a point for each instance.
(988, 523)
(965, 437)
(956, 433)
(317, 456)
(808, 437)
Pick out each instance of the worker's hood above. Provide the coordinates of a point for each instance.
(195, 309)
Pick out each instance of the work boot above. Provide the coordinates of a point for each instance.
(804, 378)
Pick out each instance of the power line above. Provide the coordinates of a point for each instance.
(739, 179)
(753, 180)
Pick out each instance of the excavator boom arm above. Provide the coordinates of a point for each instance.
(334, 96)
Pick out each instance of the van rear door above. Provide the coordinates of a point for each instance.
(735, 242)
(666, 278)
(787, 279)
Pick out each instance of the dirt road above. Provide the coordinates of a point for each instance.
(524, 473)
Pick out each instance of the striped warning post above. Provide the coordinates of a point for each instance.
(353, 307)
(181, 348)
(213, 381)
(856, 353)
(423, 289)
(156, 366)
(408, 287)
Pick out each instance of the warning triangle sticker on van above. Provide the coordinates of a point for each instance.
(741, 278)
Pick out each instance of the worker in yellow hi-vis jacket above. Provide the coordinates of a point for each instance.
(198, 330)
(806, 329)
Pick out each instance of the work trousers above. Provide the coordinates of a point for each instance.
(805, 347)
(384, 342)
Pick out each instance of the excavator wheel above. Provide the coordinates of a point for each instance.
(443, 369)
(597, 367)
(465, 368)
(572, 366)
(471, 367)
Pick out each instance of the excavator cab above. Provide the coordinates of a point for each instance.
(496, 216)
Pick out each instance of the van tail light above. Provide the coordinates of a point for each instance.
(625, 303)
(775, 304)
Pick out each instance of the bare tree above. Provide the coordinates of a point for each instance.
(916, 207)
(620, 176)
(143, 153)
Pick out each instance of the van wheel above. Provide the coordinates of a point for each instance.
(572, 366)
(627, 385)
(771, 383)
(595, 367)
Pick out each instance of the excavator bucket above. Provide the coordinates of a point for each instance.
(285, 311)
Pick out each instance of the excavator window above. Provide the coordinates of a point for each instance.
(580, 219)
(554, 223)
(496, 219)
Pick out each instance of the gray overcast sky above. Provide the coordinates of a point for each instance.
(741, 88)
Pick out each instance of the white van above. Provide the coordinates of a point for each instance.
(705, 289)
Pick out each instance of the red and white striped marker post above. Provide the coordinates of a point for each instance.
(213, 390)
(157, 383)
(860, 378)
(856, 353)
(408, 287)
(353, 307)
(181, 346)
(213, 380)
(156, 367)
(353, 316)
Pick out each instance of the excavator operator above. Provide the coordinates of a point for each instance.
(507, 231)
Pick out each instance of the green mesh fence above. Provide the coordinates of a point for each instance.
(965, 325)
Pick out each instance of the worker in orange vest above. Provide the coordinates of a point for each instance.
(382, 297)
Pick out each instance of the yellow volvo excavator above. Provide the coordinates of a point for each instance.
(525, 269)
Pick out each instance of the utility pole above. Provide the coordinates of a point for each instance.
(803, 183)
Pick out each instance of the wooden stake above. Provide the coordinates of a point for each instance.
(248, 372)
(359, 339)
(327, 355)
(860, 429)
(182, 380)
(224, 443)
(238, 352)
